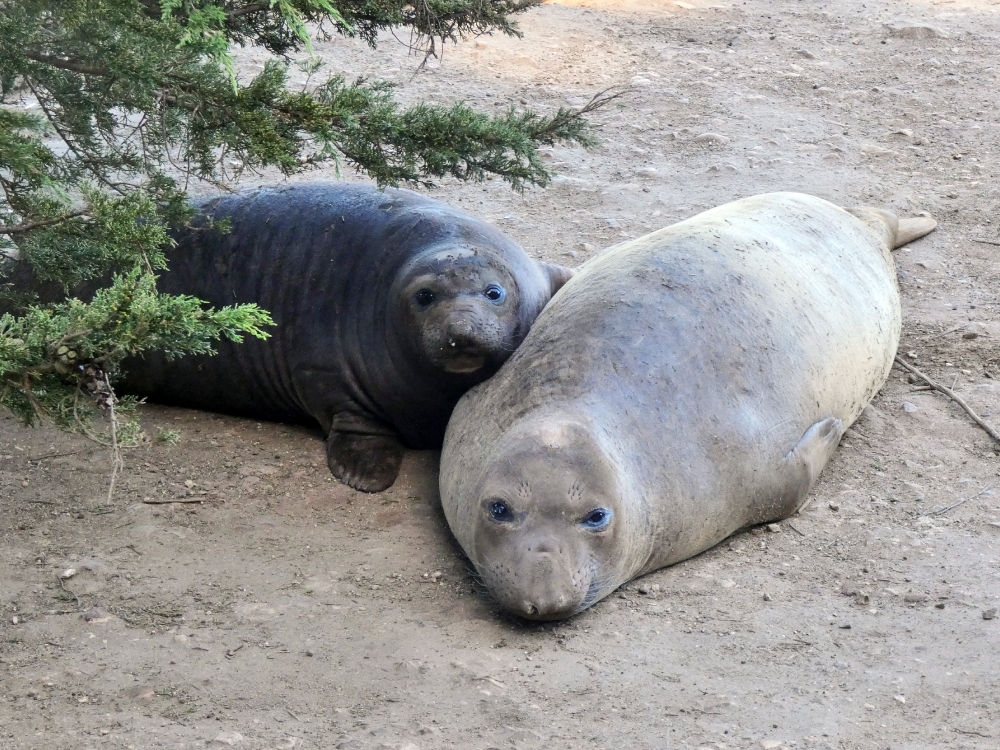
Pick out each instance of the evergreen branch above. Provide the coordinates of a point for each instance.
(22, 228)
(58, 62)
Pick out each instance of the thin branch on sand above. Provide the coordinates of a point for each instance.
(952, 395)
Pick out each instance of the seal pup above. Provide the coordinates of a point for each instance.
(680, 387)
(387, 306)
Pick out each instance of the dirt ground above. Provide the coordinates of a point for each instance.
(286, 611)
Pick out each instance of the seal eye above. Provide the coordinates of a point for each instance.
(495, 293)
(598, 519)
(425, 297)
(501, 512)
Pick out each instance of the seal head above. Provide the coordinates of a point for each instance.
(551, 528)
(463, 309)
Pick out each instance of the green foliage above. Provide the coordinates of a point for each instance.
(108, 108)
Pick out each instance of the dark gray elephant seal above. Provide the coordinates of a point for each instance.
(388, 306)
(680, 387)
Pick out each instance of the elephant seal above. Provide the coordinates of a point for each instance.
(680, 387)
(388, 306)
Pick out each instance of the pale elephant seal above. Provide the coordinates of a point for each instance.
(388, 306)
(680, 387)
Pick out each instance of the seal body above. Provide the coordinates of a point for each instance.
(680, 387)
(387, 305)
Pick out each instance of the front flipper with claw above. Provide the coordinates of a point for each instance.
(369, 463)
(800, 467)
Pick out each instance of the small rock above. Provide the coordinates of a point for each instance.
(805, 53)
(939, 605)
(14, 620)
(834, 506)
(612, 223)
(899, 698)
(96, 616)
(436, 575)
(909, 407)
(642, 588)
(990, 614)
(970, 335)
(647, 172)
(845, 626)
(767, 597)
(849, 590)
(770, 744)
(774, 528)
(711, 139)
(640, 81)
(68, 573)
(906, 29)
(916, 598)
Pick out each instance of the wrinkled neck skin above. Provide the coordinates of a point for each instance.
(543, 561)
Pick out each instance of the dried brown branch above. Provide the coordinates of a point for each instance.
(952, 395)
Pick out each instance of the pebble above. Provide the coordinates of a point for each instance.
(939, 605)
(228, 738)
(774, 528)
(845, 626)
(834, 506)
(909, 407)
(642, 588)
(906, 29)
(899, 698)
(805, 53)
(770, 744)
(68, 573)
(767, 597)
(970, 335)
(916, 598)
(647, 172)
(990, 614)
(849, 590)
(712, 138)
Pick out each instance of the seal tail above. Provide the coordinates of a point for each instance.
(896, 232)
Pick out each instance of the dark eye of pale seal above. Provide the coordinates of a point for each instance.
(501, 512)
(425, 297)
(495, 293)
(598, 519)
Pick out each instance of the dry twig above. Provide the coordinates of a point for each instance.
(941, 512)
(952, 395)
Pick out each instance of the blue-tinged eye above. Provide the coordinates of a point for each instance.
(598, 519)
(425, 297)
(501, 512)
(495, 293)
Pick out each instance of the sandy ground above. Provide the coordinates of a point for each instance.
(286, 611)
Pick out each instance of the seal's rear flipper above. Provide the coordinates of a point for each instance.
(369, 463)
(913, 229)
(894, 231)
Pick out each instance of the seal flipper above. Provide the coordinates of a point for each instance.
(802, 464)
(558, 275)
(369, 463)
